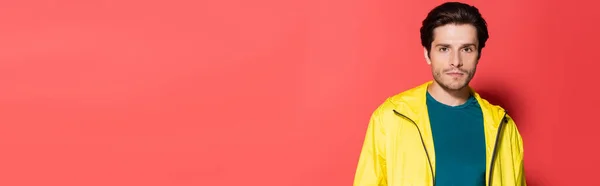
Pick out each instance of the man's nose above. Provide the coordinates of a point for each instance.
(456, 60)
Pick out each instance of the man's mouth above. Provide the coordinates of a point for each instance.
(455, 74)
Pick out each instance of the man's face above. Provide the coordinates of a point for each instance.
(454, 55)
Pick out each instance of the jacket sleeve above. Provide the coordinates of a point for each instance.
(519, 166)
(371, 169)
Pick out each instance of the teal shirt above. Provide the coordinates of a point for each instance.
(459, 142)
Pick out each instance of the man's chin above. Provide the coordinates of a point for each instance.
(454, 86)
(450, 84)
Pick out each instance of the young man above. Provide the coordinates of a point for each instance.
(442, 132)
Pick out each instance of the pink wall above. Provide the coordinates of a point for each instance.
(267, 92)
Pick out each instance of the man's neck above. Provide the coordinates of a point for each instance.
(449, 97)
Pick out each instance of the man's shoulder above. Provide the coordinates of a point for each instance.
(409, 95)
(484, 101)
(406, 97)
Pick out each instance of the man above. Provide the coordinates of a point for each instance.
(442, 132)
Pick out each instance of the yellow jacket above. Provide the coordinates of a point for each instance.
(398, 147)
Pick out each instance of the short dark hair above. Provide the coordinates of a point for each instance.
(453, 13)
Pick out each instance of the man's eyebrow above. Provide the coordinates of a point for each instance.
(448, 45)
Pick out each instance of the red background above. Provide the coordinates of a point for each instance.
(267, 92)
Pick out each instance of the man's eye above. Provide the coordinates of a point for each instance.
(468, 50)
(443, 49)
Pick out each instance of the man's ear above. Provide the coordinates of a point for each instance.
(426, 55)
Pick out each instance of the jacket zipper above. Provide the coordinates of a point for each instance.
(495, 149)
(423, 142)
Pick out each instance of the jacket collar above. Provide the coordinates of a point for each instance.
(412, 103)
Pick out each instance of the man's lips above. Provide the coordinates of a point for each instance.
(455, 74)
